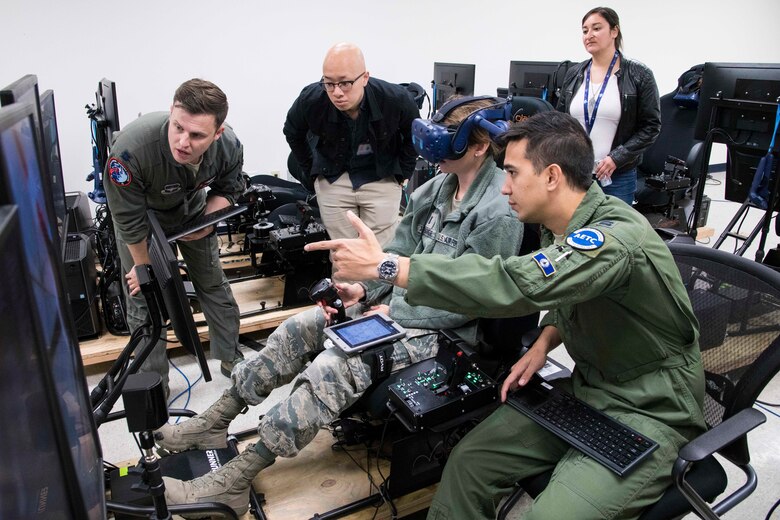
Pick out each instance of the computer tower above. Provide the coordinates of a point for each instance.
(79, 215)
(81, 285)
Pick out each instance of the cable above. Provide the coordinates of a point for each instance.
(767, 410)
(187, 391)
(383, 491)
(772, 510)
(776, 405)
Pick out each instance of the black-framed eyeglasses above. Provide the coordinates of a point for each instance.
(344, 86)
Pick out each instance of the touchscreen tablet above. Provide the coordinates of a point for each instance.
(359, 334)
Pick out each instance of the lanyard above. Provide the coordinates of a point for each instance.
(589, 122)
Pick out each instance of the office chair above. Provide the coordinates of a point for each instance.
(737, 303)
(676, 139)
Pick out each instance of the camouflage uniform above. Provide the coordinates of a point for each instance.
(484, 224)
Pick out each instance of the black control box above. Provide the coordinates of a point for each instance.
(293, 238)
(440, 390)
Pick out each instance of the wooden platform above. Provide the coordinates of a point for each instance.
(250, 295)
(321, 479)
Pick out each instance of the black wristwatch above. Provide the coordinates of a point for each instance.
(388, 268)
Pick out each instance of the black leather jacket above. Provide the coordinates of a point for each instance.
(319, 135)
(640, 119)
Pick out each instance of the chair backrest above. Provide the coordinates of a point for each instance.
(676, 139)
(501, 336)
(526, 106)
(737, 303)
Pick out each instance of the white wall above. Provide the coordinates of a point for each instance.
(262, 53)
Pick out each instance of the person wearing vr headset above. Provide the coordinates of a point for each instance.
(460, 212)
(615, 300)
(350, 134)
(616, 101)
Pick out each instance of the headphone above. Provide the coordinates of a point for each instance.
(436, 142)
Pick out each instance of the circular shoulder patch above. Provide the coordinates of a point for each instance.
(119, 173)
(586, 239)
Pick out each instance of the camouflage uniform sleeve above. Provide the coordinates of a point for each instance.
(125, 190)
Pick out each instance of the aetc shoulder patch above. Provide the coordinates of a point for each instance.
(586, 239)
(118, 173)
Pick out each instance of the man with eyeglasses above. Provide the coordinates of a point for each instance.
(351, 136)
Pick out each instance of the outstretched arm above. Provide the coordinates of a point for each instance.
(357, 258)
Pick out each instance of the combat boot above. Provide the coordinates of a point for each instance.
(207, 430)
(229, 484)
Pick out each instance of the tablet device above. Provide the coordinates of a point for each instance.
(357, 335)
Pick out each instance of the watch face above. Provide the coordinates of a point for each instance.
(388, 269)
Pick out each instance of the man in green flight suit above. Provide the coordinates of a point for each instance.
(616, 301)
(164, 161)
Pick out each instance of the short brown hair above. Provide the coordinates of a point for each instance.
(462, 112)
(198, 96)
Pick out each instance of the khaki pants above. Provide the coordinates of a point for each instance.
(376, 203)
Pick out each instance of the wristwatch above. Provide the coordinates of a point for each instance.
(388, 268)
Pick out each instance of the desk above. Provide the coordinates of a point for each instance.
(249, 295)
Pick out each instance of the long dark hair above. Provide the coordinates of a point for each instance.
(612, 19)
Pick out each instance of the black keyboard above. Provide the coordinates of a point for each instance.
(209, 219)
(599, 436)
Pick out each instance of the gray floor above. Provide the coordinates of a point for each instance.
(119, 446)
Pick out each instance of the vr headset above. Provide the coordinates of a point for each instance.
(436, 142)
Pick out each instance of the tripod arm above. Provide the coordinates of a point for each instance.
(108, 391)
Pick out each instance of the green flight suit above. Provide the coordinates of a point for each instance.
(626, 320)
(141, 174)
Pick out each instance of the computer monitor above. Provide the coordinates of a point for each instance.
(756, 80)
(748, 125)
(540, 79)
(52, 159)
(166, 270)
(106, 101)
(52, 455)
(450, 79)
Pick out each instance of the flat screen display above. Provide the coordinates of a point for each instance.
(364, 332)
(22, 183)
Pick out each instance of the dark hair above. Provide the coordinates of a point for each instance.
(612, 19)
(462, 112)
(556, 138)
(198, 96)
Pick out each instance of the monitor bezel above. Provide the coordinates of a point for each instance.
(107, 102)
(56, 173)
(440, 68)
(713, 78)
(165, 266)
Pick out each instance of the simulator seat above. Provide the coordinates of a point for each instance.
(499, 347)
(676, 139)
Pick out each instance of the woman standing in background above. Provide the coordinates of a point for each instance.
(616, 101)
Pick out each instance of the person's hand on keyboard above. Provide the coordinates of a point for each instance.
(524, 369)
(197, 235)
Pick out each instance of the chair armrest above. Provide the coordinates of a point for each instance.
(722, 435)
